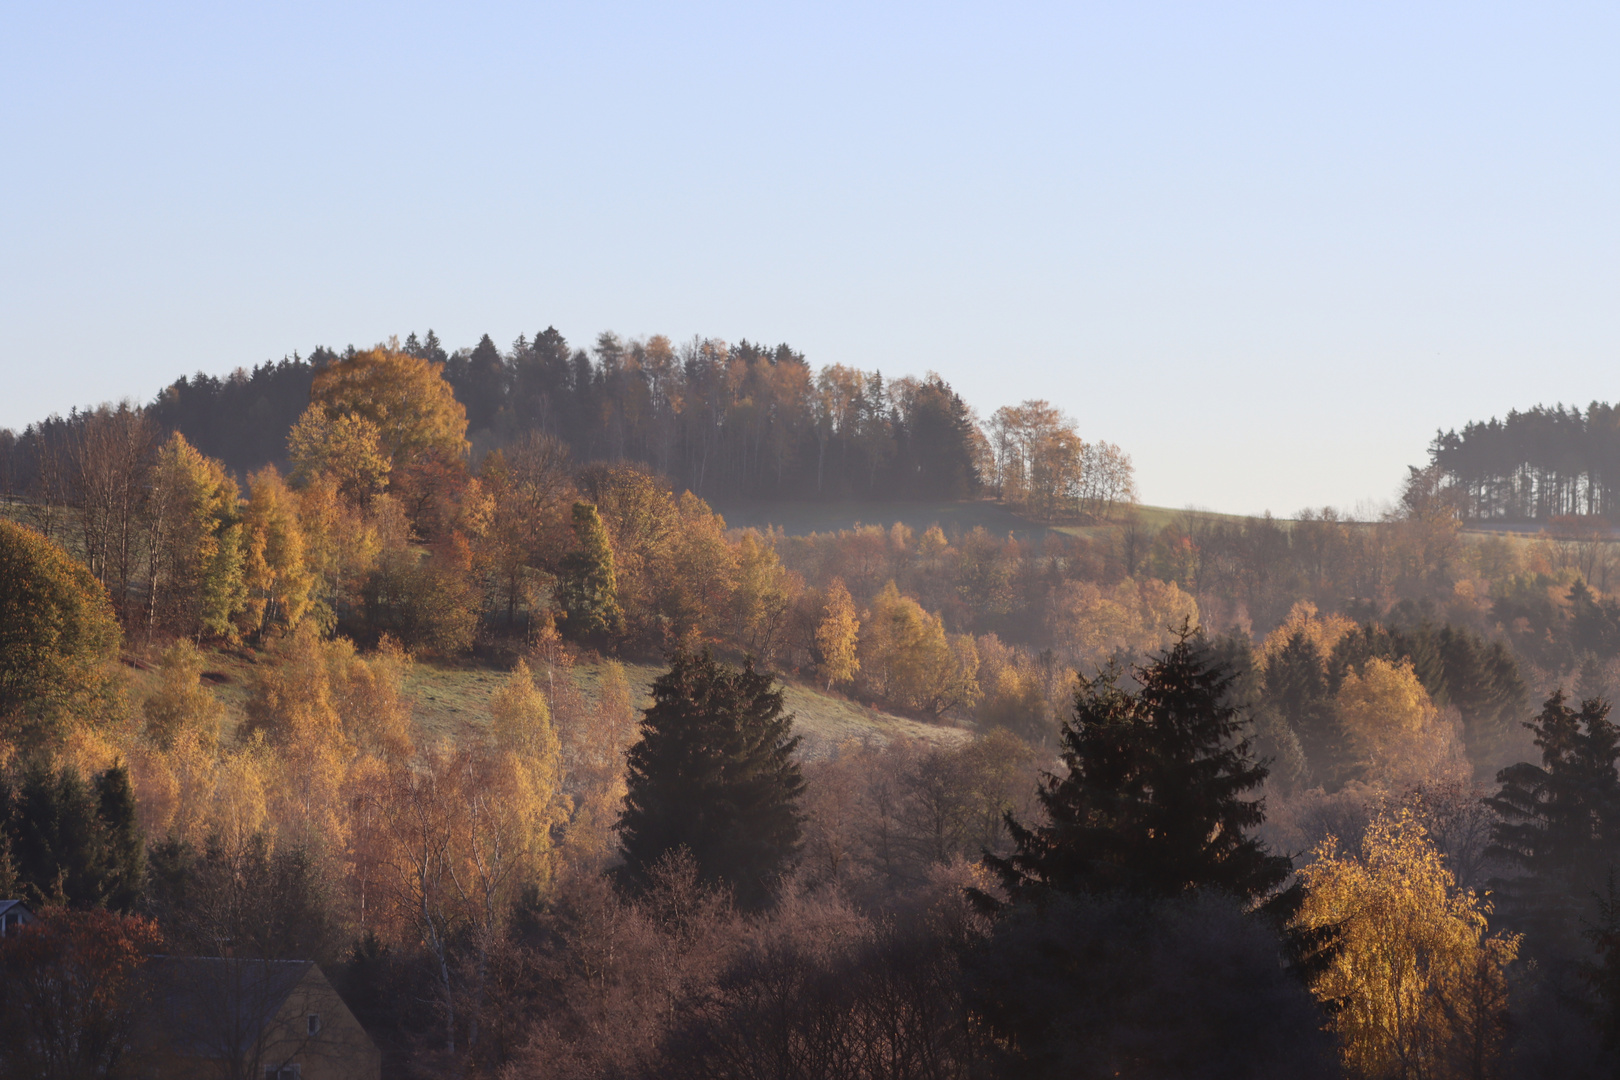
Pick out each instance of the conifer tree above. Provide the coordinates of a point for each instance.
(587, 587)
(713, 773)
(1296, 684)
(1560, 822)
(1152, 801)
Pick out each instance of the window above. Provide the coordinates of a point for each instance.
(282, 1072)
(313, 1020)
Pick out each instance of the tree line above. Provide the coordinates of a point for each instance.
(728, 421)
(1535, 465)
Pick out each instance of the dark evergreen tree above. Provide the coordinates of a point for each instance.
(1152, 801)
(73, 842)
(480, 382)
(1087, 972)
(1296, 687)
(1560, 824)
(125, 846)
(713, 773)
(1483, 682)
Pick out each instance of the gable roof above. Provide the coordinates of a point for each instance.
(212, 1006)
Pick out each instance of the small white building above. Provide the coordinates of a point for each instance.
(13, 913)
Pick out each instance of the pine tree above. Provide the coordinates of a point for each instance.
(713, 773)
(1560, 822)
(71, 842)
(1152, 802)
(1296, 685)
(587, 587)
(125, 846)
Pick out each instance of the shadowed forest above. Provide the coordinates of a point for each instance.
(441, 670)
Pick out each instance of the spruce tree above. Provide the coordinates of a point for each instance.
(1152, 801)
(1560, 823)
(1146, 830)
(587, 587)
(1296, 686)
(74, 842)
(713, 773)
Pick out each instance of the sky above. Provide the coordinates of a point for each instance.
(1268, 249)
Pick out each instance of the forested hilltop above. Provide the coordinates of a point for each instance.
(507, 728)
(1536, 465)
(725, 421)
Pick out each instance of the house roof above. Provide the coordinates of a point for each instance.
(7, 905)
(212, 1005)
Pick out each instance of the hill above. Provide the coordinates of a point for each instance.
(445, 695)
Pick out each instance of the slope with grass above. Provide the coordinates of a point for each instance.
(445, 696)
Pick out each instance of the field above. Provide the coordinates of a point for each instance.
(444, 696)
(800, 518)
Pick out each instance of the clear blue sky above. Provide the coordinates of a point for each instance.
(1268, 248)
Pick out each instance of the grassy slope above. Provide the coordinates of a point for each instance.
(446, 696)
(802, 518)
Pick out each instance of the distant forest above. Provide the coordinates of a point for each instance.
(1535, 465)
(725, 421)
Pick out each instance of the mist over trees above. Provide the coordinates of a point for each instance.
(557, 773)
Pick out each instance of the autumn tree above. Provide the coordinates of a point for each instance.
(73, 989)
(404, 398)
(837, 635)
(907, 658)
(277, 581)
(57, 632)
(529, 486)
(764, 594)
(193, 543)
(346, 447)
(587, 587)
(1418, 982)
(713, 773)
(1396, 734)
(108, 453)
(180, 707)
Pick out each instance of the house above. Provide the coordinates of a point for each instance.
(228, 1017)
(13, 913)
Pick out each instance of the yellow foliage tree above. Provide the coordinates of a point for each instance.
(182, 707)
(764, 593)
(347, 448)
(193, 543)
(1323, 631)
(277, 580)
(700, 575)
(343, 543)
(837, 635)
(293, 713)
(1090, 623)
(907, 658)
(405, 399)
(1419, 980)
(57, 637)
(597, 741)
(1398, 736)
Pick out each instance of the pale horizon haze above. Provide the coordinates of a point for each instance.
(1266, 248)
